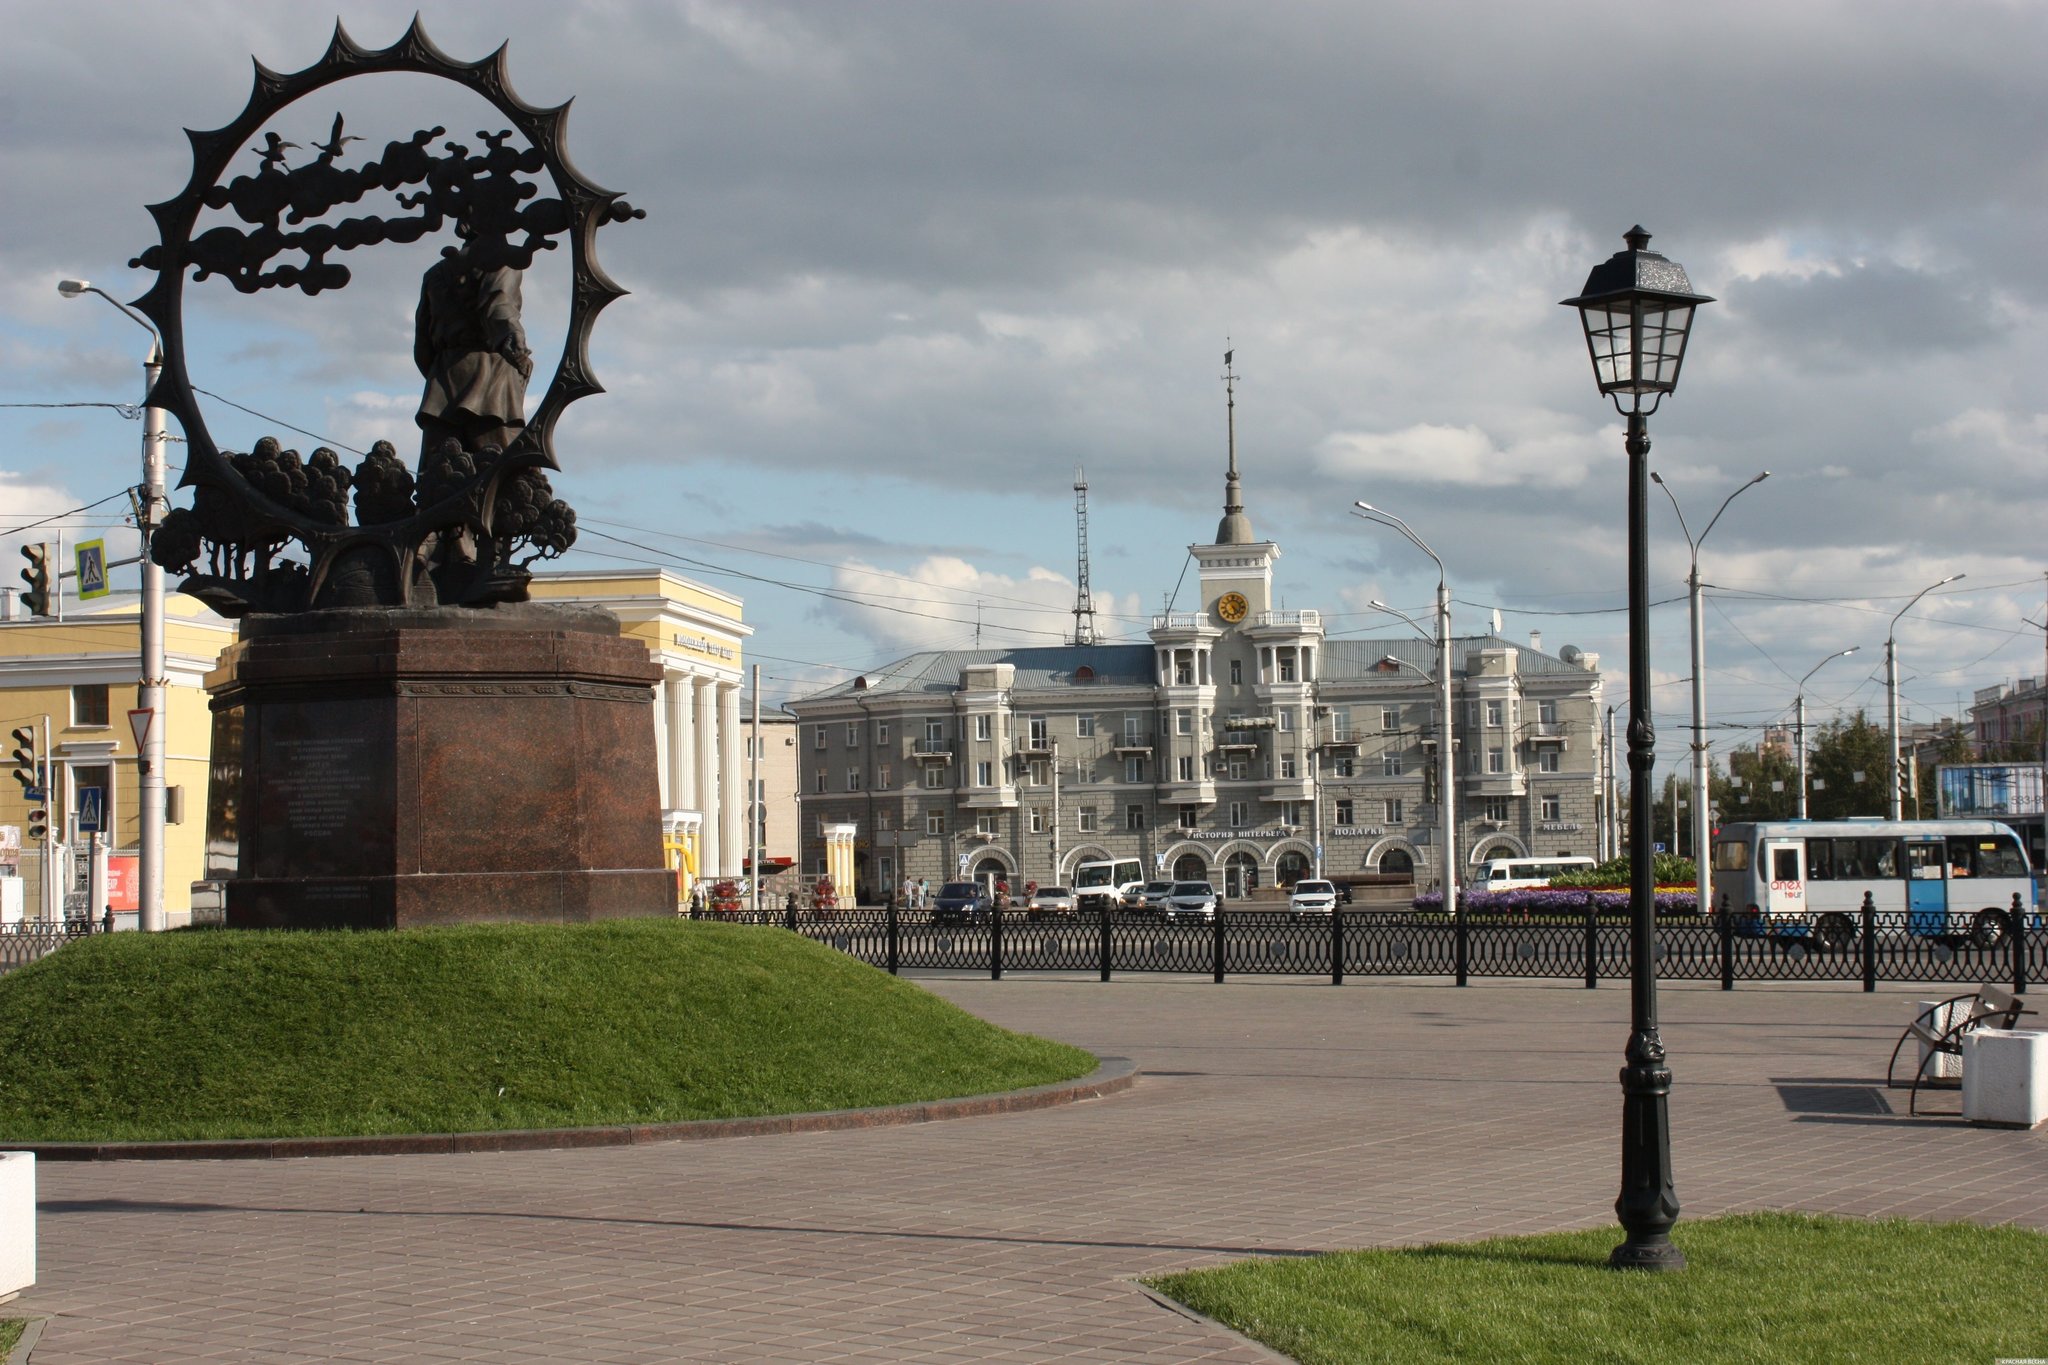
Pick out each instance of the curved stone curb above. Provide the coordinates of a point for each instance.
(1112, 1075)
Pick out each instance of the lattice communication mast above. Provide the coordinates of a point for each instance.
(1084, 600)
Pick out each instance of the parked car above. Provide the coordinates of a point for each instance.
(1312, 898)
(959, 902)
(1151, 897)
(1051, 900)
(1191, 900)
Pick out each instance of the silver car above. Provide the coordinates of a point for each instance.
(1056, 901)
(1150, 898)
(1191, 900)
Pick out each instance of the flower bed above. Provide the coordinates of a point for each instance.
(1671, 900)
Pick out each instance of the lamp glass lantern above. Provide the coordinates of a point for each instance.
(1637, 309)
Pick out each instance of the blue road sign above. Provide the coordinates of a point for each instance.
(91, 809)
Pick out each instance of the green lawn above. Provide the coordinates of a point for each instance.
(212, 1034)
(1759, 1288)
(10, 1333)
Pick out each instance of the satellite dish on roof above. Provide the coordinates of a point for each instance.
(1571, 654)
(1496, 620)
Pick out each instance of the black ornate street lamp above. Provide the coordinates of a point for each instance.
(1637, 308)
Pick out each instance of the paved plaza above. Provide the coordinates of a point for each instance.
(1273, 1117)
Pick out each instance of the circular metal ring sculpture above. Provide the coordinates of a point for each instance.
(453, 534)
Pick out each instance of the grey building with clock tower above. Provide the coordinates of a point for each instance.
(1242, 745)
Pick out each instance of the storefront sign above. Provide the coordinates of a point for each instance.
(704, 644)
(1356, 831)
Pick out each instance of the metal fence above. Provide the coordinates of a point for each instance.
(33, 940)
(1353, 943)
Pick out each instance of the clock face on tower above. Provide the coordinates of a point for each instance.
(1232, 607)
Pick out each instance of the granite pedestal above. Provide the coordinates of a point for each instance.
(391, 768)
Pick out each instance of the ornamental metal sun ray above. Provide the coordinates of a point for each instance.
(464, 525)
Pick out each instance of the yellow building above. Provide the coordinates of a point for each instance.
(695, 633)
(80, 676)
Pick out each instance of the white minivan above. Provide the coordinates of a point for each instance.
(1512, 874)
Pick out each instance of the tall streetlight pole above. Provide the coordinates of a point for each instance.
(1637, 310)
(1702, 817)
(1891, 690)
(149, 693)
(1446, 761)
(1799, 721)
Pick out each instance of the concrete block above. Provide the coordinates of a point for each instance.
(2005, 1077)
(17, 1222)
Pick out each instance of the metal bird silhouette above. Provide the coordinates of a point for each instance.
(331, 148)
(273, 149)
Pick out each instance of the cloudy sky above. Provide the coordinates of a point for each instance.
(906, 266)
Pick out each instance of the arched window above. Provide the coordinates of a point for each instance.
(1240, 875)
(1395, 862)
(1293, 866)
(1189, 867)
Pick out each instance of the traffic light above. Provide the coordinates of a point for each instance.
(37, 575)
(28, 771)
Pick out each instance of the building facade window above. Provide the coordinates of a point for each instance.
(1134, 768)
(1552, 808)
(1041, 733)
(1040, 773)
(1393, 805)
(1493, 714)
(1496, 809)
(1496, 760)
(1546, 712)
(934, 730)
(1187, 767)
(1344, 766)
(818, 738)
(985, 824)
(1390, 763)
(1134, 727)
(1340, 723)
(1547, 761)
(1238, 815)
(934, 775)
(1183, 721)
(1237, 673)
(1390, 718)
(1037, 820)
(853, 779)
(984, 774)
(1286, 721)
(1084, 819)
(1084, 726)
(818, 781)
(984, 727)
(935, 822)
(1190, 817)
(1287, 765)
(1134, 817)
(1344, 811)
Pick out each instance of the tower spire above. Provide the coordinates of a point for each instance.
(1084, 600)
(1236, 527)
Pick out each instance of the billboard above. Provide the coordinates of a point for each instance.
(1993, 790)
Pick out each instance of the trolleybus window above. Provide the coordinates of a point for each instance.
(1784, 865)
(1731, 856)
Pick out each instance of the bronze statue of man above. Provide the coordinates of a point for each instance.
(469, 344)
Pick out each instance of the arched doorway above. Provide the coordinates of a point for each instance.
(1292, 867)
(1396, 862)
(1240, 875)
(989, 870)
(1189, 867)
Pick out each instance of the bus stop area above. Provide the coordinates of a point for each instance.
(1274, 1116)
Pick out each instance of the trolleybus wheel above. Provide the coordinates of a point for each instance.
(1837, 931)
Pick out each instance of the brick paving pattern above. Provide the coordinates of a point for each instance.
(1276, 1117)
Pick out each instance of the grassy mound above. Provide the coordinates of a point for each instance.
(1759, 1288)
(133, 1037)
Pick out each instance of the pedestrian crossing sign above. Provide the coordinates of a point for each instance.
(92, 569)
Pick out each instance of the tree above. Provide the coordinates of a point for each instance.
(1843, 748)
(1763, 784)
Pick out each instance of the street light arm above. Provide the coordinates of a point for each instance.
(1389, 519)
(1891, 635)
(1683, 529)
(1731, 498)
(1843, 654)
(1378, 605)
(71, 289)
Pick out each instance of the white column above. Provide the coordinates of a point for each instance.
(682, 741)
(664, 703)
(711, 856)
(731, 800)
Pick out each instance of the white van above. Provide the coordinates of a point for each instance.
(1512, 874)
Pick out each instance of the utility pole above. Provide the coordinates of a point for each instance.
(754, 803)
(1055, 879)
